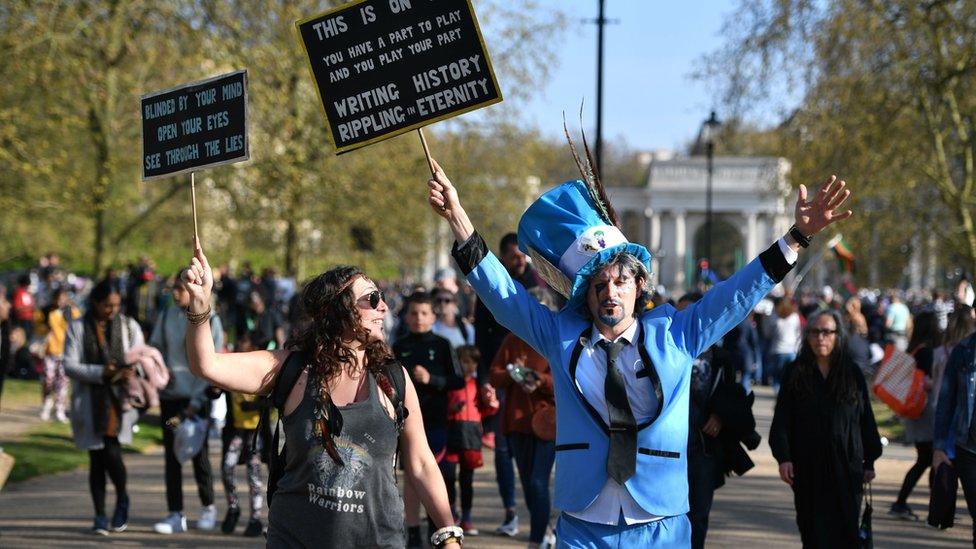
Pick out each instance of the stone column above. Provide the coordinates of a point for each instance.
(680, 249)
(654, 240)
(752, 236)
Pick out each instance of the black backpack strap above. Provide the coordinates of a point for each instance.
(287, 377)
(399, 383)
(393, 373)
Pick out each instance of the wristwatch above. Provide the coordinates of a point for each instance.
(801, 239)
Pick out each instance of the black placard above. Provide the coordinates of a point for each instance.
(195, 125)
(385, 67)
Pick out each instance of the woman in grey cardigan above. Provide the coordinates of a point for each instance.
(94, 360)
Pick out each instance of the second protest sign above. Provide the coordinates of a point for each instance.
(385, 67)
(195, 125)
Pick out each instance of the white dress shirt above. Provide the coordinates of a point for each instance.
(591, 371)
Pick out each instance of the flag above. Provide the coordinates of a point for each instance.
(845, 257)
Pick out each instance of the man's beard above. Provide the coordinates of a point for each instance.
(610, 320)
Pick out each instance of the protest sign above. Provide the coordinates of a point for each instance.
(196, 125)
(385, 67)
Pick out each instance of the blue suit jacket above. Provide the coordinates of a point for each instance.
(669, 341)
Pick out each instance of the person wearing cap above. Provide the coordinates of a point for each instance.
(622, 430)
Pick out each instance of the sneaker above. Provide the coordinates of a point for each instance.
(230, 519)
(100, 527)
(902, 511)
(46, 409)
(468, 528)
(120, 518)
(254, 528)
(509, 528)
(208, 518)
(61, 416)
(549, 540)
(174, 523)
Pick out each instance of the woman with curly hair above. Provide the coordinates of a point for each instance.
(340, 419)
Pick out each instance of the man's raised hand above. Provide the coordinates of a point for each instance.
(443, 196)
(198, 279)
(812, 216)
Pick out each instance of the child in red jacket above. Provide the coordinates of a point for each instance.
(465, 411)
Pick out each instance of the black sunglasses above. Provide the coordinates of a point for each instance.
(374, 298)
(817, 332)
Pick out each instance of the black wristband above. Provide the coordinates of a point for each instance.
(774, 263)
(468, 254)
(801, 239)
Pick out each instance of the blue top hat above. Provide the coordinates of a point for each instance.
(569, 240)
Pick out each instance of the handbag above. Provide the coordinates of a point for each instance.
(188, 438)
(865, 537)
(544, 423)
(899, 384)
(942, 502)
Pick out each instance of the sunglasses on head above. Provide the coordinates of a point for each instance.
(374, 298)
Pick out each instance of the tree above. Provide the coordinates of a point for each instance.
(71, 74)
(303, 197)
(79, 68)
(885, 97)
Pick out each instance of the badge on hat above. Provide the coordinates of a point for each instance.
(571, 231)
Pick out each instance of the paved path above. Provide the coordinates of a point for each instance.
(755, 510)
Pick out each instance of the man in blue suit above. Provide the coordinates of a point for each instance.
(620, 372)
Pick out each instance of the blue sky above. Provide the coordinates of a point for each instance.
(649, 97)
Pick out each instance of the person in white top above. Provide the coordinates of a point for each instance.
(450, 324)
(783, 332)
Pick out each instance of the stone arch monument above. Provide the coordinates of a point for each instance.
(750, 209)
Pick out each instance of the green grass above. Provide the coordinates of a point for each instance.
(889, 424)
(20, 393)
(48, 448)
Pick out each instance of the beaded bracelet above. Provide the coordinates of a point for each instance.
(198, 318)
(446, 535)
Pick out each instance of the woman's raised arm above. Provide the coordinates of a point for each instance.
(251, 373)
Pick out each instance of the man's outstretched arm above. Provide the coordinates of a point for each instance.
(509, 302)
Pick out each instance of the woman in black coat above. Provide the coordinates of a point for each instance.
(824, 436)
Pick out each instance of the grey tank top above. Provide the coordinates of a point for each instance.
(319, 503)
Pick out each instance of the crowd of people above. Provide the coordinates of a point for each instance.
(226, 351)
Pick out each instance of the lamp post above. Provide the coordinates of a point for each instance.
(708, 131)
(601, 22)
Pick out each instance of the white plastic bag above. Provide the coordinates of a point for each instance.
(188, 438)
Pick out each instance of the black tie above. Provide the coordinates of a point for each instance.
(622, 459)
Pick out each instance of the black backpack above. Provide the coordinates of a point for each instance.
(287, 377)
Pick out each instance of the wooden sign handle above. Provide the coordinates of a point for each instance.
(423, 141)
(193, 202)
(430, 162)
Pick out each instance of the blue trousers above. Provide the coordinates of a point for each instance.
(573, 533)
(534, 458)
(504, 468)
(777, 364)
